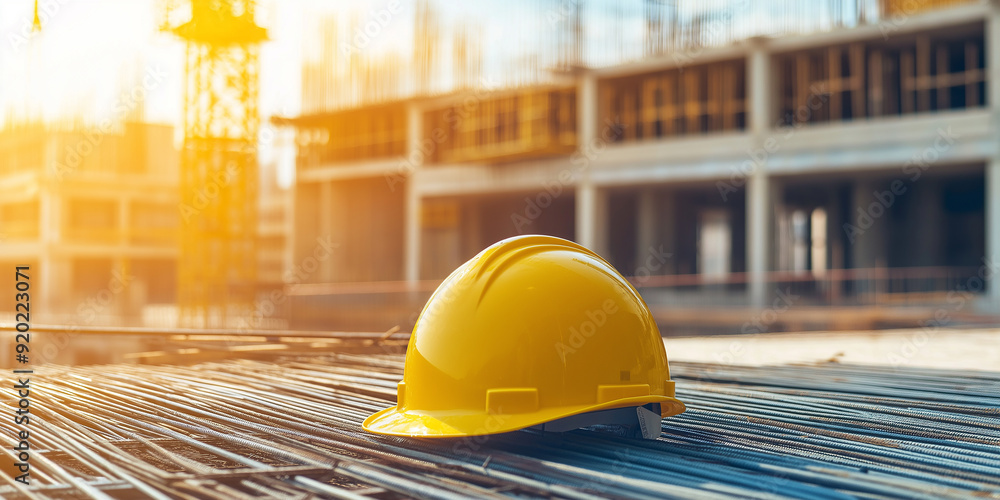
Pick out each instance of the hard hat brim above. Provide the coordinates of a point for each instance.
(450, 424)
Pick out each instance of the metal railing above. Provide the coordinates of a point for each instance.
(382, 304)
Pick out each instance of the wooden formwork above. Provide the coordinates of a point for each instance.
(921, 73)
(689, 100)
(941, 74)
(822, 84)
(910, 7)
(355, 134)
(519, 124)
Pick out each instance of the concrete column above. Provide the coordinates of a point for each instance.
(586, 110)
(992, 46)
(411, 263)
(325, 228)
(759, 89)
(646, 225)
(992, 173)
(869, 243)
(54, 280)
(656, 225)
(591, 202)
(758, 237)
(50, 215)
(591, 217)
(667, 224)
(780, 238)
(993, 229)
(123, 223)
(411, 211)
(288, 249)
(925, 222)
(127, 303)
(758, 222)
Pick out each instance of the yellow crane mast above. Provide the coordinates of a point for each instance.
(217, 264)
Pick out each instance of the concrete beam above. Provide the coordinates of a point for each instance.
(647, 219)
(992, 256)
(586, 110)
(591, 217)
(992, 173)
(411, 210)
(325, 219)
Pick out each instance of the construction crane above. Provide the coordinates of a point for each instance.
(36, 22)
(217, 265)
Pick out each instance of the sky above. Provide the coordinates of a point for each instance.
(89, 48)
(90, 51)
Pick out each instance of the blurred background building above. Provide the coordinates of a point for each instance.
(833, 158)
(94, 211)
(751, 166)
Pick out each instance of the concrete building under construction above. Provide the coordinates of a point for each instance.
(850, 167)
(94, 213)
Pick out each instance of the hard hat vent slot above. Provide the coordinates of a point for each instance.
(668, 388)
(512, 400)
(606, 393)
(625, 376)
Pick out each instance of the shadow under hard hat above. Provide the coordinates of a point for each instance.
(534, 332)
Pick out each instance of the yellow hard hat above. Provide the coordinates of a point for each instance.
(534, 329)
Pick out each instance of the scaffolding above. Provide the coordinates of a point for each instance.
(690, 100)
(217, 266)
(520, 124)
(909, 7)
(930, 71)
(368, 133)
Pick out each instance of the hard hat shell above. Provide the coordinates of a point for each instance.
(531, 330)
